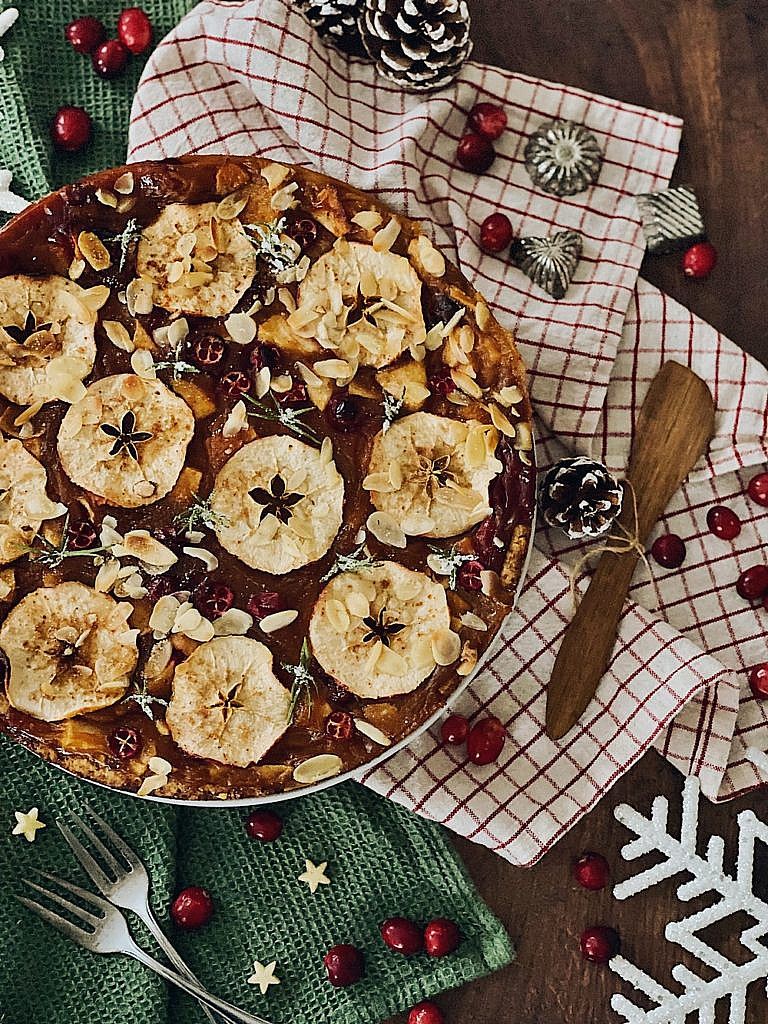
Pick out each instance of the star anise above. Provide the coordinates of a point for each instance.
(126, 436)
(276, 501)
(381, 630)
(30, 327)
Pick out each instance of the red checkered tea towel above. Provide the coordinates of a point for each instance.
(252, 77)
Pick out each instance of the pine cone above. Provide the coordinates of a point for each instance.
(581, 497)
(419, 44)
(335, 21)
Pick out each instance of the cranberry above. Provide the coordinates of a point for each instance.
(441, 937)
(402, 935)
(454, 729)
(344, 964)
(265, 603)
(486, 740)
(71, 129)
(125, 742)
(261, 356)
(159, 586)
(264, 825)
(110, 58)
(486, 532)
(475, 153)
(135, 30)
(599, 943)
(207, 351)
(591, 871)
(192, 908)
(339, 725)
(441, 382)
(296, 396)
(723, 522)
(81, 535)
(496, 232)
(213, 599)
(171, 536)
(338, 694)
(85, 34)
(488, 119)
(757, 489)
(426, 1013)
(668, 550)
(302, 230)
(699, 261)
(469, 575)
(235, 384)
(753, 582)
(343, 411)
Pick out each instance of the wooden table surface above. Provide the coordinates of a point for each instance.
(707, 61)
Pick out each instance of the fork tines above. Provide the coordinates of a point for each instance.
(74, 931)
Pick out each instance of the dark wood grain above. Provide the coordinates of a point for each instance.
(707, 61)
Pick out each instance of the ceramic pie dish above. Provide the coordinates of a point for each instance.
(266, 479)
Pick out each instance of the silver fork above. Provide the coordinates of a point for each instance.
(126, 886)
(108, 933)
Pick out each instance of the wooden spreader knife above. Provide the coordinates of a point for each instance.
(674, 428)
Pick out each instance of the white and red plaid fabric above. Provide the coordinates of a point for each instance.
(252, 77)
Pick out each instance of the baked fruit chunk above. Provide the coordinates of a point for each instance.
(266, 478)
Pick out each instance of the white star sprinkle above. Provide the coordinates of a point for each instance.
(7, 21)
(264, 976)
(27, 824)
(315, 875)
(9, 201)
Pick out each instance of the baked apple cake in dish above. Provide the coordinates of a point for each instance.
(266, 478)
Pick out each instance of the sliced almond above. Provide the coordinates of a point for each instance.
(430, 259)
(232, 206)
(241, 328)
(472, 621)
(482, 315)
(468, 660)
(386, 530)
(274, 174)
(142, 364)
(510, 395)
(466, 384)
(118, 335)
(237, 421)
(284, 199)
(500, 421)
(138, 297)
(385, 238)
(234, 622)
(207, 557)
(93, 250)
(524, 437)
(317, 768)
(106, 198)
(446, 646)
(278, 620)
(76, 269)
(367, 219)
(124, 184)
(372, 732)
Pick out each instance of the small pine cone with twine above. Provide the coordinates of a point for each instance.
(336, 22)
(580, 497)
(419, 44)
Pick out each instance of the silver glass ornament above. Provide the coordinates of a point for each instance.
(549, 262)
(563, 158)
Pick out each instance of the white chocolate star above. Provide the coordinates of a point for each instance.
(264, 976)
(27, 824)
(315, 875)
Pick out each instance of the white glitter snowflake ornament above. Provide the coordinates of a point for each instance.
(724, 979)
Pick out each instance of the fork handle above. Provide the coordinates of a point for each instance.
(220, 1005)
(165, 944)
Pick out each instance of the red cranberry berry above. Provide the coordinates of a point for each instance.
(261, 356)
(110, 58)
(402, 935)
(496, 232)
(235, 384)
(159, 586)
(264, 825)
(723, 522)
(475, 153)
(71, 129)
(426, 1013)
(339, 725)
(699, 261)
(81, 535)
(265, 603)
(486, 740)
(135, 30)
(207, 351)
(296, 396)
(441, 382)
(302, 230)
(192, 908)
(668, 550)
(125, 742)
(591, 871)
(599, 943)
(469, 575)
(758, 681)
(753, 583)
(85, 34)
(213, 599)
(344, 964)
(441, 937)
(757, 489)
(487, 119)
(454, 729)
(343, 411)
(338, 694)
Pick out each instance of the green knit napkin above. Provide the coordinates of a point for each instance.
(382, 860)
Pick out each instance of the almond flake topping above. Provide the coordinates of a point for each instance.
(124, 184)
(427, 256)
(237, 421)
(93, 250)
(368, 220)
(446, 646)
(386, 530)
(274, 174)
(315, 769)
(118, 335)
(278, 620)
(106, 198)
(472, 621)
(241, 328)
(386, 237)
(372, 732)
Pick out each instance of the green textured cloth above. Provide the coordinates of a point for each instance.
(382, 860)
